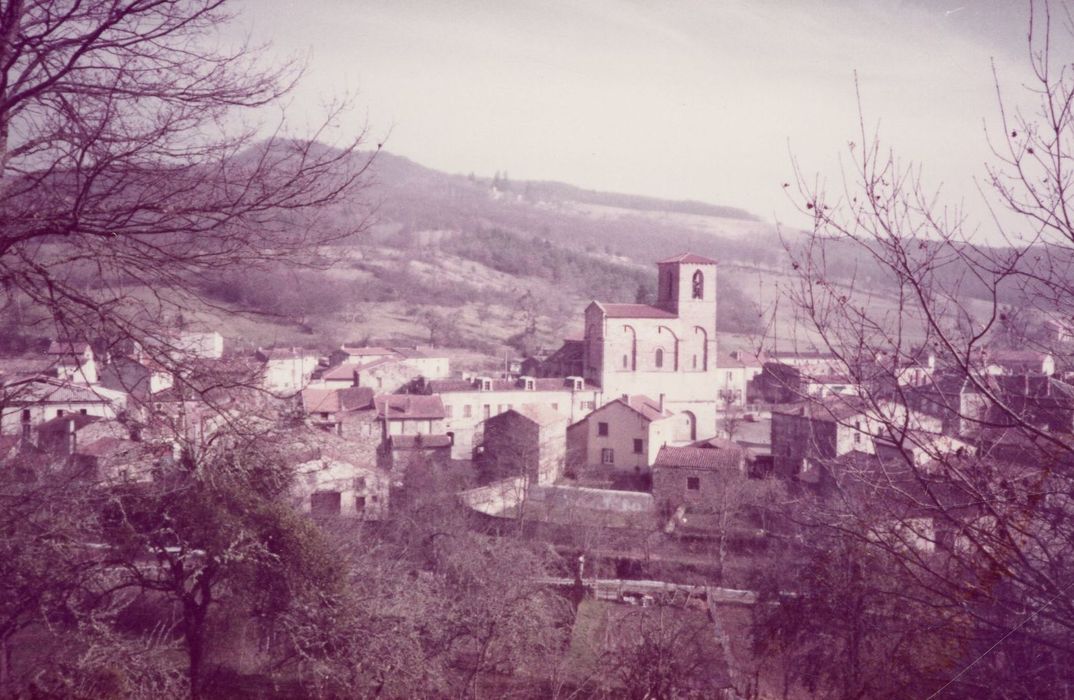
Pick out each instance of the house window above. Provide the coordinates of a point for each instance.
(325, 503)
(607, 456)
(467, 411)
(626, 362)
(729, 378)
(25, 415)
(359, 483)
(602, 429)
(699, 285)
(324, 415)
(449, 411)
(659, 357)
(857, 432)
(359, 503)
(83, 411)
(693, 483)
(59, 412)
(380, 382)
(555, 407)
(499, 409)
(695, 361)
(486, 410)
(639, 446)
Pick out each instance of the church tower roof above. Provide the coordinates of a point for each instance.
(689, 258)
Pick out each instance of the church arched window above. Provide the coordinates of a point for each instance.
(699, 285)
(659, 357)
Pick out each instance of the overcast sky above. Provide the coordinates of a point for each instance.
(684, 100)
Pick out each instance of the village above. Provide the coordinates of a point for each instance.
(645, 453)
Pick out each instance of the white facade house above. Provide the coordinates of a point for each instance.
(31, 403)
(287, 370)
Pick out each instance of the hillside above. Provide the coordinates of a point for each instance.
(496, 266)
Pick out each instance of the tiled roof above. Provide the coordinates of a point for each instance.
(409, 407)
(376, 363)
(441, 386)
(648, 408)
(689, 258)
(539, 414)
(340, 372)
(352, 398)
(634, 311)
(700, 457)
(55, 392)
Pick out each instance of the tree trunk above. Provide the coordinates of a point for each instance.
(5, 665)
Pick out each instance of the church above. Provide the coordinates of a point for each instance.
(666, 350)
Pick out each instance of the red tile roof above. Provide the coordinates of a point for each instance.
(352, 398)
(409, 407)
(700, 457)
(340, 372)
(646, 407)
(634, 311)
(689, 258)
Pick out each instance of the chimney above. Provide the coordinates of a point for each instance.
(626, 398)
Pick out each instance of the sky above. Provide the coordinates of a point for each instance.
(683, 100)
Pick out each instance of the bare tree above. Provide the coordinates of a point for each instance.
(136, 156)
(994, 510)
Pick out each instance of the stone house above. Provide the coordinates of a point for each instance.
(331, 409)
(665, 348)
(625, 434)
(567, 361)
(384, 376)
(329, 485)
(286, 370)
(530, 440)
(695, 476)
(29, 403)
(736, 371)
(804, 437)
(409, 414)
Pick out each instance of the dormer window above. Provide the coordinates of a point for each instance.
(699, 285)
